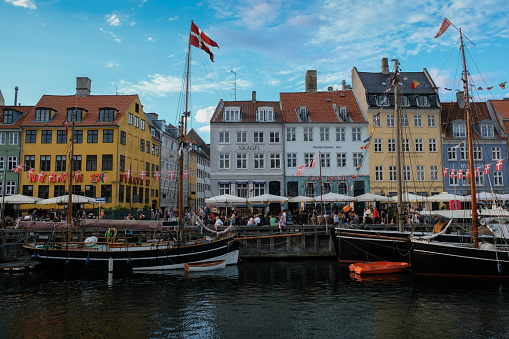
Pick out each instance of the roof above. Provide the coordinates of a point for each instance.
(91, 104)
(248, 110)
(17, 123)
(378, 83)
(502, 107)
(320, 105)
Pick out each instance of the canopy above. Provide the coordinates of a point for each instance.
(64, 199)
(408, 197)
(334, 197)
(446, 197)
(467, 214)
(372, 197)
(225, 199)
(300, 198)
(489, 196)
(267, 198)
(20, 199)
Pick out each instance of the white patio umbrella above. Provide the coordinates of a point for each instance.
(367, 197)
(19, 199)
(334, 197)
(301, 198)
(488, 196)
(267, 198)
(64, 199)
(225, 199)
(446, 197)
(408, 197)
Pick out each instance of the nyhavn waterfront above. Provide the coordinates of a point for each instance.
(256, 299)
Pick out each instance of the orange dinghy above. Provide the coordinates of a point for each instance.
(379, 267)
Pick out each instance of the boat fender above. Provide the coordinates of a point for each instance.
(34, 256)
(500, 269)
(87, 262)
(487, 246)
(67, 264)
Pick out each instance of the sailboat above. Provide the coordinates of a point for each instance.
(469, 260)
(114, 254)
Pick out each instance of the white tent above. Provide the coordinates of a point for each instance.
(300, 198)
(64, 199)
(446, 197)
(372, 197)
(408, 197)
(488, 196)
(267, 198)
(226, 199)
(19, 199)
(334, 197)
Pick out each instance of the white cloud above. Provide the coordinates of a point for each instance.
(157, 85)
(204, 114)
(204, 129)
(151, 39)
(113, 35)
(112, 64)
(173, 19)
(113, 20)
(22, 3)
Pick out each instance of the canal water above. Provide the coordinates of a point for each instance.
(273, 299)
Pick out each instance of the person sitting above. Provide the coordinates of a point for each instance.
(218, 223)
(282, 221)
(251, 221)
(273, 221)
(257, 220)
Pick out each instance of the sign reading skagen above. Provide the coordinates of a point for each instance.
(249, 148)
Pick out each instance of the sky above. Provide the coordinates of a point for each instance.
(140, 46)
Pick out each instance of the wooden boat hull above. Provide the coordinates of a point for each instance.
(205, 266)
(153, 257)
(379, 267)
(452, 260)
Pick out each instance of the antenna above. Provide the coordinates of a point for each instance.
(235, 84)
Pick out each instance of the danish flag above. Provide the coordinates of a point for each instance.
(41, 176)
(51, 177)
(498, 167)
(460, 174)
(77, 174)
(487, 169)
(30, 172)
(445, 172)
(313, 163)
(476, 171)
(128, 173)
(452, 174)
(171, 175)
(467, 174)
(200, 40)
(157, 175)
(143, 174)
(18, 168)
(185, 175)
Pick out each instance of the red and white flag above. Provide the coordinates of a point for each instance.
(313, 163)
(487, 169)
(185, 175)
(18, 168)
(452, 174)
(30, 172)
(498, 166)
(445, 172)
(40, 176)
(143, 174)
(460, 174)
(51, 177)
(443, 28)
(476, 171)
(171, 175)
(200, 40)
(467, 174)
(128, 173)
(157, 175)
(76, 175)
(299, 172)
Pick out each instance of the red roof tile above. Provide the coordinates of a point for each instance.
(320, 105)
(248, 110)
(451, 111)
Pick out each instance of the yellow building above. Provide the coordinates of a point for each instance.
(116, 151)
(421, 144)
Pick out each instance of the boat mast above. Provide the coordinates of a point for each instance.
(475, 221)
(71, 167)
(397, 126)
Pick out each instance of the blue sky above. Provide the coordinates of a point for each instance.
(139, 47)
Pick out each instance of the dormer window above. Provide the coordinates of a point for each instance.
(106, 114)
(404, 101)
(422, 101)
(8, 116)
(303, 114)
(265, 114)
(459, 131)
(382, 100)
(74, 114)
(42, 114)
(231, 114)
(487, 131)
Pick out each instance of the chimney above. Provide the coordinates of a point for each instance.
(2, 100)
(16, 96)
(83, 86)
(311, 82)
(385, 66)
(460, 98)
(330, 88)
(154, 115)
(343, 85)
(253, 97)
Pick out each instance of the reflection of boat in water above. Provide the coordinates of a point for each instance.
(204, 266)
(379, 267)
(381, 278)
(227, 273)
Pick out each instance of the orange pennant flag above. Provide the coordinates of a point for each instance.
(414, 84)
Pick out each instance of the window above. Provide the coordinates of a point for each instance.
(92, 136)
(459, 131)
(308, 133)
(28, 190)
(121, 189)
(142, 145)
(498, 178)
(224, 189)
(61, 139)
(43, 191)
(242, 161)
(477, 153)
(74, 113)
(324, 133)
(378, 145)
(453, 180)
(8, 116)
(77, 162)
(487, 131)
(147, 168)
(2, 138)
(341, 159)
(310, 189)
(274, 137)
(31, 137)
(308, 157)
(265, 114)
(45, 163)
(122, 137)
(12, 162)
(13, 138)
(404, 120)
(275, 160)
(391, 145)
(137, 107)
(241, 137)
(153, 149)
(259, 189)
(342, 188)
(392, 173)
(357, 159)
(376, 120)
(479, 180)
(417, 120)
(496, 153)
(46, 137)
(291, 134)
(241, 190)
(59, 190)
(107, 163)
(356, 134)
(340, 134)
(303, 114)
(107, 136)
(418, 145)
(78, 137)
(142, 126)
(106, 115)
(231, 114)
(463, 153)
(422, 101)
(451, 153)
(259, 161)
(407, 175)
(258, 137)
(106, 192)
(291, 160)
(136, 122)
(327, 187)
(379, 173)
(42, 114)
(224, 161)
(146, 195)
(420, 172)
(60, 164)
(157, 150)
(29, 162)
(130, 121)
(390, 120)
(433, 173)
(224, 137)
(382, 100)
(431, 120)
(404, 101)
(91, 162)
(325, 159)
(147, 146)
(432, 143)
(406, 145)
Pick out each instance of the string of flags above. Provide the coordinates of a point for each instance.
(465, 174)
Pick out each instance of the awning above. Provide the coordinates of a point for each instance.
(221, 182)
(241, 182)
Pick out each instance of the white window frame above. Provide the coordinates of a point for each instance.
(431, 120)
(496, 153)
(259, 161)
(419, 171)
(379, 173)
(417, 120)
(452, 154)
(407, 173)
(324, 133)
(498, 178)
(392, 173)
(224, 161)
(308, 133)
(390, 120)
(419, 145)
(356, 134)
(241, 161)
(258, 137)
(432, 145)
(241, 137)
(13, 138)
(377, 145)
(291, 134)
(274, 137)
(224, 137)
(275, 161)
(433, 173)
(487, 131)
(340, 134)
(325, 160)
(404, 120)
(291, 160)
(391, 145)
(459, 130)
(341, 160)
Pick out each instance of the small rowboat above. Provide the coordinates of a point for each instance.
(204, 266)
(379, 267)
